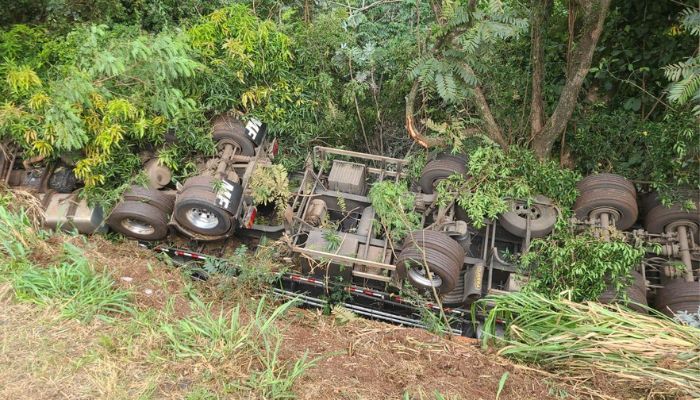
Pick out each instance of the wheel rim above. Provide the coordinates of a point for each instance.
(138, 227)
(523, 211)
(419, 275)
(202, 218)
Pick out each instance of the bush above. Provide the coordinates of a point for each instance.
(582, 265)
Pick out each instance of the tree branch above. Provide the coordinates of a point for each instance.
(414, 133)
(492, 129)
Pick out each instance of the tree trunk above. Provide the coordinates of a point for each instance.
(492, 129)
(541, 10)
(593, 17)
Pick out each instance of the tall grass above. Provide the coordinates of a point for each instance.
(73, 287)
(17, 234)
(250, 339)
(651, 352)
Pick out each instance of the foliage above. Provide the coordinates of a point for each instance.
(394, 206)
(496, 176)
(17, 236)
(245, 58)
(581, 341)
(88, 103)
(579, 264)
(466, 34)
(74, 287)
(685, 75)
(269, 185)
(663, 153)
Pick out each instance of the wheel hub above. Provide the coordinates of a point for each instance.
(690, 225)
(419, 275)
(137, 226)
(612, 212)
(202, 218)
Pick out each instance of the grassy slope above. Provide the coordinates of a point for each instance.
(172, 338)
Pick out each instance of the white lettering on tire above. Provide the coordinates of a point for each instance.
(223, 196)
(253, 128)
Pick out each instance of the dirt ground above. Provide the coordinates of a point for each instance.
(45, 357)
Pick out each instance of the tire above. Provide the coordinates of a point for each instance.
(456, 296)
(196, 209)
(139, 220)
(443, 255)
(153, 197)
(227, 127)
(204, 182)
(678, 295)
(438, 170)
(606, 181)
(515, 221)
(446, 155)
(659, 218)
(616, 198)
(636, 293)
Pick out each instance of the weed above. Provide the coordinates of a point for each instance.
(17, 235)
(72, 286)
(502, 384)
(434, 322)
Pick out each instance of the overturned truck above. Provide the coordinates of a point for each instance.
(334, 235)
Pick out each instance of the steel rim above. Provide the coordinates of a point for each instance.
(419, 276)
(138, 226)
(202, 218)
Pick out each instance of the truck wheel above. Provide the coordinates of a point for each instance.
(456, 296)
(229, 128)
(197, 210)
(543, 216)
(459, 157)
(607, 193)
(661, 219)
(605, 181)
(139, 220)
(678, 295)
(637, 293)
(153, 197)
(437, 170)
(443, 256)
(204, 182)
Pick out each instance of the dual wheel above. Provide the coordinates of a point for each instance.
(204, 206)
(612, 198)
(430, 259)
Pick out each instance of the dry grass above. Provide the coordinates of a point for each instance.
(589, 342)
